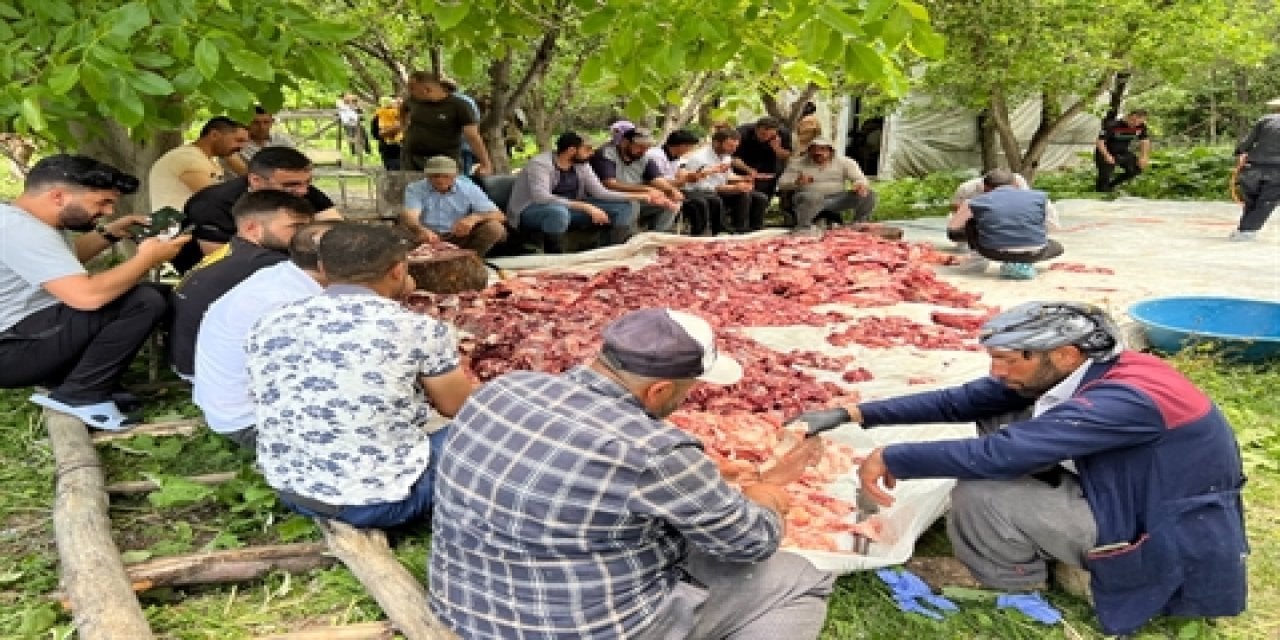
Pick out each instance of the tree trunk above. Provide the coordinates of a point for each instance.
(92, 575)
(401, 596)
(110, 142)
(797, 106)
(987, 141)
(1117, 95)
(771, 106)
(999, 113)
(505, 96)
(1052, 121)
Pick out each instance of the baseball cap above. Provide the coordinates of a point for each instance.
(440, 164)
(667, 344)
(820, 141)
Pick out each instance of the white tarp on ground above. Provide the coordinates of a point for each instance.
(1155, 248)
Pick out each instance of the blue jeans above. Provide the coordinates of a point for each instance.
(555, 219)
(415, 506)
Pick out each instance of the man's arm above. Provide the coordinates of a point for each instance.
(448, 391)
(89, 292)
(1144, 152)
(88, 245)
(472, 134)
(237, 163)
(960, 216)
(195, 179)
(1101, 146)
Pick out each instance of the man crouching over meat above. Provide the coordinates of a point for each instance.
(566, 507)
(1116, 463)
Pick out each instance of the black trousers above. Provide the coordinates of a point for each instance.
(80, 354)
(1049, 251)
(704, 211)
(1107, 178)
(1260, 189)
(746, 210)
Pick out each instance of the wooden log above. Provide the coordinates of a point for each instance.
(145, 486)
(183, 427)
(92, 574)
(360, 631)
(449, 271)
(401, 596)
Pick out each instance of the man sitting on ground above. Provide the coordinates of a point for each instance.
(61, 326)
(347, 384)
(974, 187)
(625, 167)
(558, 190)
(260, 137)
(1088, 455)
(221, 388)
(1008, 225)
(763, 153)
(280, 168)
(712, 174)
(704, 211)
(443, 207)
(821, 180)
(185, 170)
(568, 508)
(265, 223)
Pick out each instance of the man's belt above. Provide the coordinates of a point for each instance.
(310, 504)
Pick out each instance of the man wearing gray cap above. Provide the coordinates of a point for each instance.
(566, 507)
(442, 207)
(1112, 461)
(1258, 164)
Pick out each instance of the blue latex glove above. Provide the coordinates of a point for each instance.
(1031, 605)
(909, 591)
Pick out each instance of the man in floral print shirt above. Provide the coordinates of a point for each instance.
(346, 384)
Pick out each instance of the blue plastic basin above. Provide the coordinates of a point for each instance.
(1246, 329)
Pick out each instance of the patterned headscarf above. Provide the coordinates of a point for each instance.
(1042, 326)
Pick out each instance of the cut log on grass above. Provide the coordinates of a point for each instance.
(449, 271)
(184, 427)
(360, 631)
(145, 486)
(92, 574)
(401, 596)
(231, 565)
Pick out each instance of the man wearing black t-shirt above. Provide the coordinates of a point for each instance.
(762, 154)
(265, 223)
(436, 122)
(209, 210)
(1113, 149)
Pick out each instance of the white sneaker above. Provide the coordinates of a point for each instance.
(1243, 236)
(974, 263)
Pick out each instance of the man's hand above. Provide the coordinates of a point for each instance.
(861, 189)
(802, 179)
(871, 473)
(427, 236)
(792, 465)
(159, 250)
(1144, 162)
(598, 216)
(1108, 158)
(464, 225)
(120, 226)
(481, 169)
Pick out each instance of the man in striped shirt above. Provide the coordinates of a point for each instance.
(567, 508)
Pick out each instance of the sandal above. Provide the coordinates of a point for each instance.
(102, 415)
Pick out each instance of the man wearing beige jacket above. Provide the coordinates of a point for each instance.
(827, 184)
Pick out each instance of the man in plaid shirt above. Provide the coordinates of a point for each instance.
(567, 508)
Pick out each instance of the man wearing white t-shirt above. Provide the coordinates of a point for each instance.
(712, 167)
(221, 380)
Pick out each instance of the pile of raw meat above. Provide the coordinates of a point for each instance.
(552, 321)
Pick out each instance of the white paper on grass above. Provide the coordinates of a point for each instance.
(917, 503)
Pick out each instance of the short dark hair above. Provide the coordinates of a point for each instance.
(266, 202)
(257, 109)
(270, 159)
(304, 247)
(1138, 112)
(427, 76)
(726, 134)
(568, 140)
(998, 178)
(360, 253)
(681, 137)
(78, 171)
(221, 124)
(769, 122)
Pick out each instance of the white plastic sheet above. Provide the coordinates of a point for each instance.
(1153, 247)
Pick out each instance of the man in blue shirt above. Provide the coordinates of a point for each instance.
(442, 207)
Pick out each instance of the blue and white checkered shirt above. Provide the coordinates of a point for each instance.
(562, 510)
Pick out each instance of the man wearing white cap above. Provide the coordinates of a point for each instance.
(1258, 164)
(567, 508)
(825, 184)
(1109, 459)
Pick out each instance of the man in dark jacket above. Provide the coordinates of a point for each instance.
(1258, 164)
(1112, 461)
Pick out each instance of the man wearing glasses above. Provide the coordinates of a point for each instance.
(209, 211)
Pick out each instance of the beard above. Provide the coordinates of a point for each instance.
(1045, 378)
(74, 217)
(273, 242)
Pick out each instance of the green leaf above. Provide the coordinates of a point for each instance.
(896, 27)
(596, 22)
(323, 31)
(839, 20)
(176, 492)
(187, 80)
(62, 79)
(10, 577)
(927, 42)
(97, 84)
(295, 528)
(207, 58)
(152, 84)
(463, 63)
(863, 63)
(592, 71)
(448, 16)
(250, 64)
(228, 94)
(32, 114)
(917, 10)
(135, 556)
(116, 61)
(37, 620)
(8, 11)
(876, 9)
(152, 59)
(129, 19)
